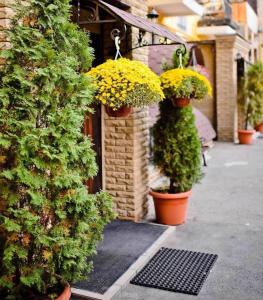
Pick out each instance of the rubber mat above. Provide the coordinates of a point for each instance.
(124, 242)
(175, 270)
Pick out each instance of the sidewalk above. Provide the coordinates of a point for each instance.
(225, 218)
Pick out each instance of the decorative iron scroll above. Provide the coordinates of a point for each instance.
(120, 30)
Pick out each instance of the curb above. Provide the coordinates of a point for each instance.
(129, 274)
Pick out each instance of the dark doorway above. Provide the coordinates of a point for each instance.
(92, 124)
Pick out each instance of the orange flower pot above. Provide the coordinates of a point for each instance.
(245, 137)
(170, 208)
(123, 111)
(180, 102)
(259, 127)
(66, 294)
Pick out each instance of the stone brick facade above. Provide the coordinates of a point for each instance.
(228, 118)
(126, 142)
(5, 15)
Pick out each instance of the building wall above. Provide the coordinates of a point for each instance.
(260, 28)
(5, 14)
(228, 115)
(208, 105)
(126, 141)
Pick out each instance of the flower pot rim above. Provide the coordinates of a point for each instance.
(66, 294)
(170, 196)
(248, 131)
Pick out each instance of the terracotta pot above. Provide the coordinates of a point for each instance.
(245, 136)
(170, 208)
(180, 102)
(259, 127)
(66, 294)
(123, 111)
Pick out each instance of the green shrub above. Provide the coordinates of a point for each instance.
(177, 150)
(49, 223)
(251, 95)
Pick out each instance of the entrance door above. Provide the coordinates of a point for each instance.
(92, 125)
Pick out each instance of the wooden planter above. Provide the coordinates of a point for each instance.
(180, 102)
(123, 112)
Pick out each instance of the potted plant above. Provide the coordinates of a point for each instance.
(251, 101)
(122, 84)
(49, 223)
(177, 152)
(181, 85)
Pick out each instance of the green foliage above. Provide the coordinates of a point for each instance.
(177, 149)
(49, 223)
(251, 94)
(176, 60)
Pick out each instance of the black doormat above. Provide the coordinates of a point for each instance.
(175, 270)
(124, 242)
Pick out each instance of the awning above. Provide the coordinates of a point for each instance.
(141, 23)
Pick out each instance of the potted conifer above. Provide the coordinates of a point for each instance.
(177, 148)
(49, 223)
(251, 102)
(177, 152)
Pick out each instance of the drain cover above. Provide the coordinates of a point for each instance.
(175, 270)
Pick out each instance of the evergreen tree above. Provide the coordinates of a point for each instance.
(177, 149)
(49, 223)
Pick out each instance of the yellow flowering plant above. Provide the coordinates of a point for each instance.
(125, 82)
(185, 83)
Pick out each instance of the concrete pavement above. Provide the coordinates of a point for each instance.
(226, 218)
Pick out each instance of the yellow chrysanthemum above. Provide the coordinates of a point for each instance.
(185, 82)
(126, 82)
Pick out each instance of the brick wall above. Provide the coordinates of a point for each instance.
(126, 141)
(228, 115)
(5, 14)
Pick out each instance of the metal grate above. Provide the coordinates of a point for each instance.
(175, 270)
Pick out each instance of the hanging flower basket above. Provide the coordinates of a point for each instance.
(180, 102)
(185, 84)
(125, 83)
(123, 111)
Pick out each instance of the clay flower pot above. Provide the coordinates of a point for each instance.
(123, 111)
(259, 127)
(180, 102)
(245, 136)
(66, 294)
(170, 208)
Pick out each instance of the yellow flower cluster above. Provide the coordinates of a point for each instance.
(185, 81)
(118, 80)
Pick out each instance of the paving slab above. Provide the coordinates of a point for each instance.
(225, 218)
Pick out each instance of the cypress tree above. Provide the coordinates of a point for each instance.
(49, 223)
(177, 149)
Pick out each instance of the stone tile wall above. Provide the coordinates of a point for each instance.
(126, 140)
(228, 118)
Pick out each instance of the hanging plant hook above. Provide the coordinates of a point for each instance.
(180, 51)
(117, 36)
